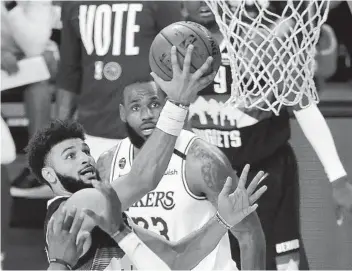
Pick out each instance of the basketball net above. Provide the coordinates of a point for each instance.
(271, 56)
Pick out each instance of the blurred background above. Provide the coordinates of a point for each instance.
(27, 106)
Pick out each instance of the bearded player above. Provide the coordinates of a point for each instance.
(261, 139)
(62, 160)
(186, 197)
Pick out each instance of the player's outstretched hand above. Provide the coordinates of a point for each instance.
(62, 231)
(342, 195)
(184, 86)
(235, 206)
(112, 220)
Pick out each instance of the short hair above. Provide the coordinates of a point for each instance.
(139, 82)
(45, 139)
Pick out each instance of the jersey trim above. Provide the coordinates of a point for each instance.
(113, 162)
(180, 154)
(131, 152)
(183, 175)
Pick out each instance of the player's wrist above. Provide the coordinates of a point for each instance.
(184, 105)
(172, 118)
(121, 233)
(339, 183)
(222, 221)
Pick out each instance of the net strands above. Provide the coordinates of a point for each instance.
(271, 55)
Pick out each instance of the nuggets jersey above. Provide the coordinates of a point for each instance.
(171, 210)
(244, 135)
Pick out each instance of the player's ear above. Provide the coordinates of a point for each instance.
(122, 113)
(49, 175)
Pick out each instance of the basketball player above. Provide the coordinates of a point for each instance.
(65, 253)
(189, 188)
(59, 157)
(261, 139)
(102, 43)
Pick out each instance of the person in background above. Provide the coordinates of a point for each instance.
(8, 155)
(104, 47)
(25, 33)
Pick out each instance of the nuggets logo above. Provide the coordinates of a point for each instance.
(122, 163)
(112, 71)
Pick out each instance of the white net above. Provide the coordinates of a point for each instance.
(271, 54)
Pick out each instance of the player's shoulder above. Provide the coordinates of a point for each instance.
(201, 149)
(107, 156)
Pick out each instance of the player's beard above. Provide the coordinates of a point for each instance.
(135, 138)
(73, 185)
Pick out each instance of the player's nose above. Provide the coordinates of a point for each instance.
(146, 114)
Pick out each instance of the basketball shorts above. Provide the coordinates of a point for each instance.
(278, 208)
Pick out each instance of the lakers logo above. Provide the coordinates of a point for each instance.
(122, 163)
(112, 71)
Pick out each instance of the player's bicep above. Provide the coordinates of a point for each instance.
(207, 169)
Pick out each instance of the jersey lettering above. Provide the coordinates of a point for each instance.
(97, 20)
(221, 139)
(156, 199)
(220, 83)
(156, 224)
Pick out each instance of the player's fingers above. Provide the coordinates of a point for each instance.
(157, 79)
(95, 217)
(50, 227)
(254, 183)
(203, 69)
(69, 219)
(80, 243)
(60, 218)
(77, 224)
(339, 215)
(206, 80)
(257, 194)
(227, 188)
(187, 60)
(174, 62)
(243, 177)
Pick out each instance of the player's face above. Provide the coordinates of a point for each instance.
(72, 165)
(142, 106)
(199, 12)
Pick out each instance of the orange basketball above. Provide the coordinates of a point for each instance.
(182, 34)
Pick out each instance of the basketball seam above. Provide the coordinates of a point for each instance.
(209, 53)
(180, 51)
(157, 64)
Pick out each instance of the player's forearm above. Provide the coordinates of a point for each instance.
(65, 104)
(141, 256)
(151, 162)
(251, 239)
(319, 135)
(195, 247)
(190, 250)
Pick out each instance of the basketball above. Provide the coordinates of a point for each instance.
(181, 35)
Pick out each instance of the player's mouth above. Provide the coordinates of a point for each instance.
(205, 12)
(147, 129)
(88, 172)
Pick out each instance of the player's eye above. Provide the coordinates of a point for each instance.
(70, 156)
(155, 105)
(135, 107)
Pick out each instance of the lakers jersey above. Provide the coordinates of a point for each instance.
(171, 210)
(244, 135)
